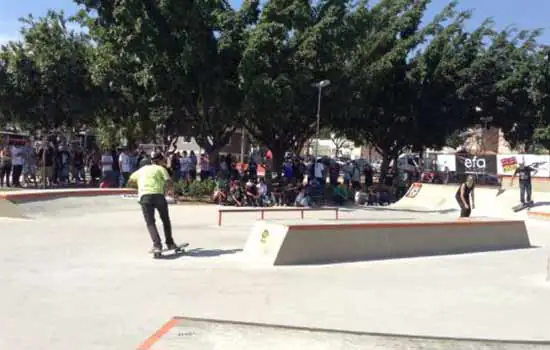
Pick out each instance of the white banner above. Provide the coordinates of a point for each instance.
(446, 160)
(507, 164)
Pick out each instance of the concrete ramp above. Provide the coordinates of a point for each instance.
(209, 334)
(423, 197)
(427, 197)
(10, 210)
(296, 243)
(490, 201)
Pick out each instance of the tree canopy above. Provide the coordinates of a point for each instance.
(161, 69)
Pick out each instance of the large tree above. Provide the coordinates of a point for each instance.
(48, 69)
(293, 45)
(503, 85)
(189, 55)
(399, 93)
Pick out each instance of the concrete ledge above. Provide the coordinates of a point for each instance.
(295, 244)
(40, 195)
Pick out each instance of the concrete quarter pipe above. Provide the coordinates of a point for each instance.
(490, 201)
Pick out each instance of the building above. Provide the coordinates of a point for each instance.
(239, 144)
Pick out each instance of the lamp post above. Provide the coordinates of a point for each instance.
(319, 85)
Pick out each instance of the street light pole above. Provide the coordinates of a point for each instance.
(320, 85)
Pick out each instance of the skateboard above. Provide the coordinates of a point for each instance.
(522, 206)
(178, 249)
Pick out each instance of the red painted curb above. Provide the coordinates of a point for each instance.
(539, 215)
(29, 196)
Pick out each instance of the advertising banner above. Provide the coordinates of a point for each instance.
(470, 164)
(446, 160)
(507, 164)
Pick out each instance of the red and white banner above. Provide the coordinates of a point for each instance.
(508, 163)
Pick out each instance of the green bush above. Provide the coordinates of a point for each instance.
(195, 189)
(181, 187)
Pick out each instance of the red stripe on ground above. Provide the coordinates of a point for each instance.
(152, 340)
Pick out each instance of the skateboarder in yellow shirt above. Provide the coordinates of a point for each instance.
(153, 181)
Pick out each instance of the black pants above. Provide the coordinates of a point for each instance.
(125, 178)
(16, 175)
(525, 190)
(5, 171)
(464, 212)
(149, 203)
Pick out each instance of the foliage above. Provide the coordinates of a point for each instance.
(48, 75)
(195, 189)
(188, 54)
(292, 45)
(158, 69)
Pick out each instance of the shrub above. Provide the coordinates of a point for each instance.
(199, 189)
(181, 187)
(195, 189)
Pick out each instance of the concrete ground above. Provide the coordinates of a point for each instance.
(78, 276)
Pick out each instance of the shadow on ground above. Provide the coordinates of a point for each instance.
(200, 253)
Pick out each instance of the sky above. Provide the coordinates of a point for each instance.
(524, 14)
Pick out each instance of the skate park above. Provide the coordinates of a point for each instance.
(76, 273)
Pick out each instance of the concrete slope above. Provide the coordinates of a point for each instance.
(427, 198)
(208, 334)
(490, 201)
(10, 210)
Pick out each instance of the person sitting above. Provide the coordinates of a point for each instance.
(236, 196)
(221, 191)
(252, 197)
(340, 194)
(372, 195)
(302, 198)
(263, 193)
(290, 192)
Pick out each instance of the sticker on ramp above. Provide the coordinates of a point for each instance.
(265, 234)
(413, 191)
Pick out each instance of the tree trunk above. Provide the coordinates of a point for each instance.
(278, 154)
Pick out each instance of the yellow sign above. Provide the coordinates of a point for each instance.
(265, 234)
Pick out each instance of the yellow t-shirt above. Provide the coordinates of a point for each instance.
(151, 179)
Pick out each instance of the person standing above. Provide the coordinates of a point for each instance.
(107, 167)
(18, 160)
(153, 181)
(5, 166)
(79, 175)
(525, 187)
(125, 166)
(46, 159)
(463, 194)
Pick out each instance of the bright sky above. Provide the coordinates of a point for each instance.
(525, 14)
